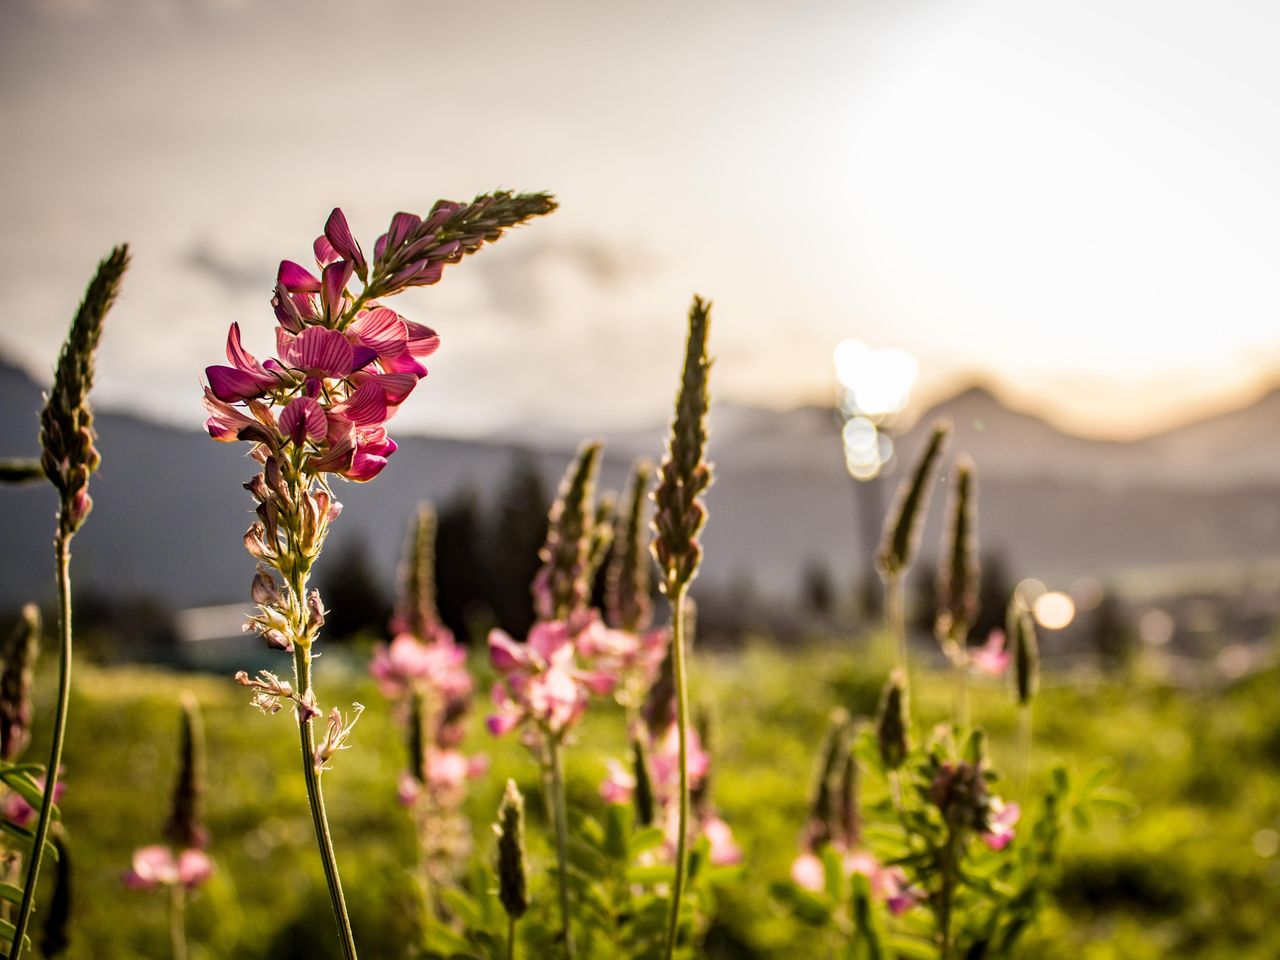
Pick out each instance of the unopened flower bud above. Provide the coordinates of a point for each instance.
(891, 724)
(513, 891)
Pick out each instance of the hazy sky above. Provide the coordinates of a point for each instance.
(1077, 200)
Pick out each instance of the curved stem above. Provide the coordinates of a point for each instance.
(178, 921)
(302, 672)
(682, 726)
(62, 550)
(556, 776)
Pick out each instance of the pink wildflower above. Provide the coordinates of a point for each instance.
(992, 658)
(619, 785)
(724, 850)
(155, 866)
(808, 872)
(441, 665)
(17, 811)
(542, 680)
(1000, 830)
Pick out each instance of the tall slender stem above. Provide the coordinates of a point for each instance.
(960, 674)
(947, 893)
(302, 672)
(62, 552)
(896, 612)
(511, 938)
(556, 785)
(1024, 749)
(178, 921)
(682, 727)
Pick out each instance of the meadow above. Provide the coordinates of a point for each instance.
(1192, 870)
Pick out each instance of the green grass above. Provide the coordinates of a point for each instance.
(1193, 874)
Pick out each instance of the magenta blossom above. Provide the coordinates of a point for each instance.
(992, 658)
(17, 811)
(155, 866)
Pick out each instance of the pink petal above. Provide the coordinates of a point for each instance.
(405, 363)
(504, 653)
(502, 723)
(366, 406)
(402, 225)
(324, 251)
(383, 330)
(296, 278)
(229, 384)
(339, 235)
(336, 277)
(423, 341)
(304, 419)
(320, 351)
(807, 872)
(364, 467)
(194, 868)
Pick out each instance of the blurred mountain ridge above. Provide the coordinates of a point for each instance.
(170, 508)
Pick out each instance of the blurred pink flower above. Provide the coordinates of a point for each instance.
(619, 785)
(888, 884)
(441, 665)
(155, 866)
(1003, 817)
(808, 872)
(991, 659)
(724, 850)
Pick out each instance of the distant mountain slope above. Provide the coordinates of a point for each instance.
(170, 507)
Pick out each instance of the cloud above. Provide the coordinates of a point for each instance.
(234, 274)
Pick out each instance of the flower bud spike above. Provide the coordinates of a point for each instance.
(185, 828)
(601, 534)
(15, 684)
(627, 580)
(418, 614)
(1021, 630)
(685, 475)
(513, 891)
(902, 528)
(821, 829)
(562, 586)
(643, 796)
(892, 723)
(959, 572)
(849, 815)
(66, 423)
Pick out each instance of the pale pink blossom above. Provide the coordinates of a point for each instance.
(1000, 823)
(992, 658)
(619, 785)
(441, 665)
(155, 866)
(723, 849)
(808, 872)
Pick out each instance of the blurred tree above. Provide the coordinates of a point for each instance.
(518, 532)
(817, 590)
(1112, 633)
(461, 574)
(353, 593)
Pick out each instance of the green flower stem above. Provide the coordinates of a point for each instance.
(682, 726)
(946, 895)
(178, 921)
(511, 938)
(1024, 750)
(896, 613)
(960, 673)
(554, 776)
(302, 673)
(62, 551)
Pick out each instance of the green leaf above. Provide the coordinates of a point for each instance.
(651, 873)
(909, 948)
(646, 840)
(20, 782)
(805, 906)
(11, 893)
(7, 930)
(26, 839)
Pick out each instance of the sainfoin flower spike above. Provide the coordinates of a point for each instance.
(344, 363)
(678, 520)
(15, 684)
(68, 457)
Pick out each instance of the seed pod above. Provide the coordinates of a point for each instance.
(1021, 630)
(562, 586)
(891, 724)
(685, 475)
(627, 602)
(15, 684)
(958, 574)
(185, 828)
(902, 527)
(513, 890)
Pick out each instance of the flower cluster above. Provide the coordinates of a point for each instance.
(959, 791)
(543, 682)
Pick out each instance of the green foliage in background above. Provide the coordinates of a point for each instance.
(1193, 872)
